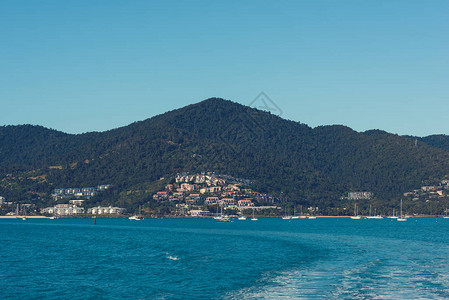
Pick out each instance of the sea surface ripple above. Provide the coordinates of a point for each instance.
(333, 258)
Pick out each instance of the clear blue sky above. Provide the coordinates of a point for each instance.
(80, 66)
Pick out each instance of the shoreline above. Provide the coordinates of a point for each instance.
(186, 217)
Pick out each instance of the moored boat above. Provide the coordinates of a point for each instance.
(254, 218)
(401, 218)
(137, 217)
(356, 216)
(223, 219)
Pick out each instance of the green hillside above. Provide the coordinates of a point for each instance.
(304, 164)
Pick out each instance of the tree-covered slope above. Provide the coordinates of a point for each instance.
(439, 141)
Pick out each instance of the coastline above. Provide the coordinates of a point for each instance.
(179, 217)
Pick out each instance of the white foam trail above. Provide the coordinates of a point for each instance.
(379, 275)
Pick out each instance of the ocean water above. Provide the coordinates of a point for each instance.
(203, 259)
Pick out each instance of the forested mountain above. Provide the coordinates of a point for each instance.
(311, 165)
(439, 141)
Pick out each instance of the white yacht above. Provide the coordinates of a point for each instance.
(137, 217)
(220, 217)
(223, 219)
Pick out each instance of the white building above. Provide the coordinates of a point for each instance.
(63, 210)
(2, 200)
(199, 213)
(76, 202)
(360, 195)
(100, 210)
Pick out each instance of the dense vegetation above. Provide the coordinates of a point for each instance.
(284, 158)
(439, 141)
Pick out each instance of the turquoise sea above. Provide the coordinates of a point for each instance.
(203, 259)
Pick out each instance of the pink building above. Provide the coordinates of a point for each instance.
(226, 202)
(211, 200)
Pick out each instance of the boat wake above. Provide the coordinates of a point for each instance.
(354, 273)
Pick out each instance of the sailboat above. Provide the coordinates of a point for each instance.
(221, 217)
(302, 216)
(286, 217)
(369, 216)
(376, 216)
(393, 216)
(218, 216)
(137, 217)
(253, 218)
(24, 214)
(355, 216)
(17, 211)
(294, 214)
(401, 218)
(242, 218)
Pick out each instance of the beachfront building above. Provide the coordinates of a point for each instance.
(199, 213)
(100, 210)
(63, 210)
